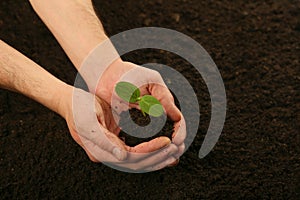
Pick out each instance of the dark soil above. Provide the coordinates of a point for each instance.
(140, 120)
(256, 46)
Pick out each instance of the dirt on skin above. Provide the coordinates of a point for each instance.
(256, 46)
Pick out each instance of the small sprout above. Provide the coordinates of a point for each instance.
(128, 92)
(148, 104)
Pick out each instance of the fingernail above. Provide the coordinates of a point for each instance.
(117, 153)
(168, 142)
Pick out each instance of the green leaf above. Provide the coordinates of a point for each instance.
(151, 106)
(156, 110)
(127, 91)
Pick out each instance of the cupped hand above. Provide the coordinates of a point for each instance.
(91, 122)
(150, 82)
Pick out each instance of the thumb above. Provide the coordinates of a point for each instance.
(115, 146)
(163, 94)
(108, 142)
(172, 111)
(88, 126)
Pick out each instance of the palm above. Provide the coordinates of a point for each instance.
(81, 125)
(110, 77)
(149, 82)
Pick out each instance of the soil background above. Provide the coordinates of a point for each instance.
(256, 46)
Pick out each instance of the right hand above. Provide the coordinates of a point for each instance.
(149, 82)
(95, 130)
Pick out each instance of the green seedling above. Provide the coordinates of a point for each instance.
(131, 94)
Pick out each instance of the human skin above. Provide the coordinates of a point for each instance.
(19, 74)
(78, 30)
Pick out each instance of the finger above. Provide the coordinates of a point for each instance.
(135, 105)
(179, 134)
(181, 149)
(163, 94)
(173, 164)
(161, 165)
(90, 155)
(88, 126)
(154, 158)
(110, 119)
(106, 141)
(115, 127)
(151, 146)
(96, 153)
(147, 149)
(115, 146)
(154, 161)
(78, 140)
(172, 111)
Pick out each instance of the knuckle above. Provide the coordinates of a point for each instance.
(173, 148)
(170, 98)
(170, 150)
(155, 73)
(156, 76)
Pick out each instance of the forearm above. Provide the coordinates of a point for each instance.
(78, 30)
(74, 24)
(18, 73)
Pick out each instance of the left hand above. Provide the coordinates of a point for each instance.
(94, 129)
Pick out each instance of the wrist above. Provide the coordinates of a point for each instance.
(96, 64)
(63, 100)
(20, 74)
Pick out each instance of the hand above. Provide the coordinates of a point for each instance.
(95, 130)
(98, 139)
(150, 82)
